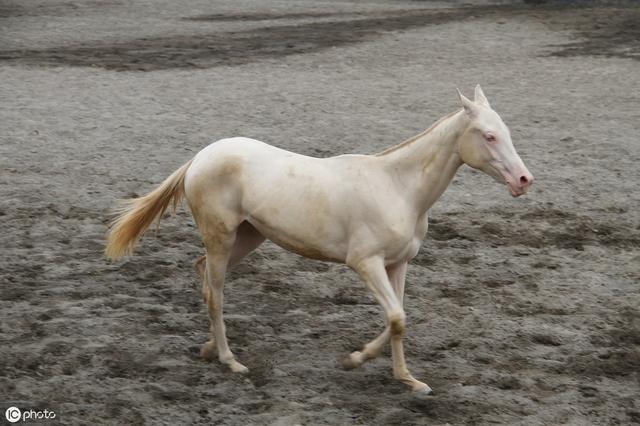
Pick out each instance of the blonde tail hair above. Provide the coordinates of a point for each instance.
(137, 214)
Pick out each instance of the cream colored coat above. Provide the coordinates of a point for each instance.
(367, 211)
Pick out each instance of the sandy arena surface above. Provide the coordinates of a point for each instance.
(520, 311)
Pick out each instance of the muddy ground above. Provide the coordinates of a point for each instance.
(519, 311)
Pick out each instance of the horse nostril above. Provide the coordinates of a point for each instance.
(524, 180)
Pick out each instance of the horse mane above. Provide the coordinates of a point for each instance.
(416, 137)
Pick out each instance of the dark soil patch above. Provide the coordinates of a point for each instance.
(617, 363)
(204, 51)
(608, 34)
(17, 8)
(230, 17)
(601, 32)
(540, 228)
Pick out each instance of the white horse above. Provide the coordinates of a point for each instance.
(367, 211)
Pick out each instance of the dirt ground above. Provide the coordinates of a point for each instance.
(520, 311)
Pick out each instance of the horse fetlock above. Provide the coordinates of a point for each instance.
(226, 358)
(208, 350)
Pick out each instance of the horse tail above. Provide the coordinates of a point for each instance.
(137, 214)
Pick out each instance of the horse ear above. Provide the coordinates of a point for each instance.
(480, 97)
(466, 103)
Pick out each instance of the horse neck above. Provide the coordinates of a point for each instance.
(425, 165)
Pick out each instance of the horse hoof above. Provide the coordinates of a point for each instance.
(423, 393)
(236, 367)
(208, 351)
(347, 362)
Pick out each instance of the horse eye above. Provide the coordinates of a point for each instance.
(489, 137)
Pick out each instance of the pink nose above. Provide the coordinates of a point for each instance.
(525, 180)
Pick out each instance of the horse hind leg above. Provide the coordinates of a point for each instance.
(247, 239)
(218, 253)
(208, 350)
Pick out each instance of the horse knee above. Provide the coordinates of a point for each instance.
(397, 323)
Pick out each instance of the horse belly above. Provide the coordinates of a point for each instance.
(305, 242)
(299, 212)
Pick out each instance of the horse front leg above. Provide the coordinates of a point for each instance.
(373, 272)
(397, 276)
(373, 349)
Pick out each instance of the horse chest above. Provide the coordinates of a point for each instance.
(408, 252)
(405, 241)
